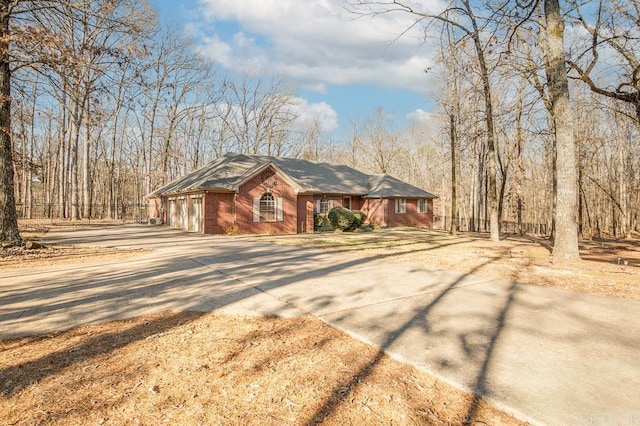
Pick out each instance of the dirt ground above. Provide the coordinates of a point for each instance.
(204, 368)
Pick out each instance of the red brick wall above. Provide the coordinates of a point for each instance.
(154, 208)
(383, 213)
(429, 221)
(374, 208)
(254, 188)
(411, 217)
(218, 212)
(306, 209)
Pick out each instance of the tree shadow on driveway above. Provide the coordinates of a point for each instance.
(421, 320)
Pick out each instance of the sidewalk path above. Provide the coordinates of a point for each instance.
(548, 356)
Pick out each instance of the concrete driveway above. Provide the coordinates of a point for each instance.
(548, 356)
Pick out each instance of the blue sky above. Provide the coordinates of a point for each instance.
(341, 67)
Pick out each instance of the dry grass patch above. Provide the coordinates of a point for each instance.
(194, 368)
(526, 260)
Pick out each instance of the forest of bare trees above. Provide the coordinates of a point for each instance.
(107, 104)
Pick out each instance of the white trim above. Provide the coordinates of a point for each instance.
(256, 209)
(401, 205)
(424, 205)
(279, 211)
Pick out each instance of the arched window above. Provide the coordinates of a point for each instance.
(267, 208)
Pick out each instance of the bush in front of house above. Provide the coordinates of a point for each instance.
(360, 218)
(321, 222)
(341, 218)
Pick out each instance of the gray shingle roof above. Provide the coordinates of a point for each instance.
(228, 172)
(385, 186)
(222, 174)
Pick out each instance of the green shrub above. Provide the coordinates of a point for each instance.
(321, 222)
(360, 218)
(366, 228)
(231, 229)
(342, 218)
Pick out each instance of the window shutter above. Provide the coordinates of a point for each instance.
(279, 212)
(317, 206)
(256, 209)
(330, 204)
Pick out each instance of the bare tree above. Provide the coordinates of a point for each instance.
(9, 61)
(257, 114)
(451, 102)
(8, 214)
(565, 246)
(613, 40)
(381, 143)
(353, 145)
(460, 14)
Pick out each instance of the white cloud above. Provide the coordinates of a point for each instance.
(216, 49)
(420, 116)
(315, 43)
(321, 112)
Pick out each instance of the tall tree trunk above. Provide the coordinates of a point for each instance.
(86, 177)
(22, 195)
(75, 122)
(32, 133)
(580, 191)
(625, 229)
(494, 220)
(63, 155)
(520, 170)
(8, 215)
(565, 246)
(454, 198)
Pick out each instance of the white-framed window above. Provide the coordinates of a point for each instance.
(267, 208)
(422, 205)
(401, 205)
(323, 205)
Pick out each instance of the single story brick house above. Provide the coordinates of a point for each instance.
(254, 194)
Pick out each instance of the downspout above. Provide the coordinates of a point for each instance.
(384, 211)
